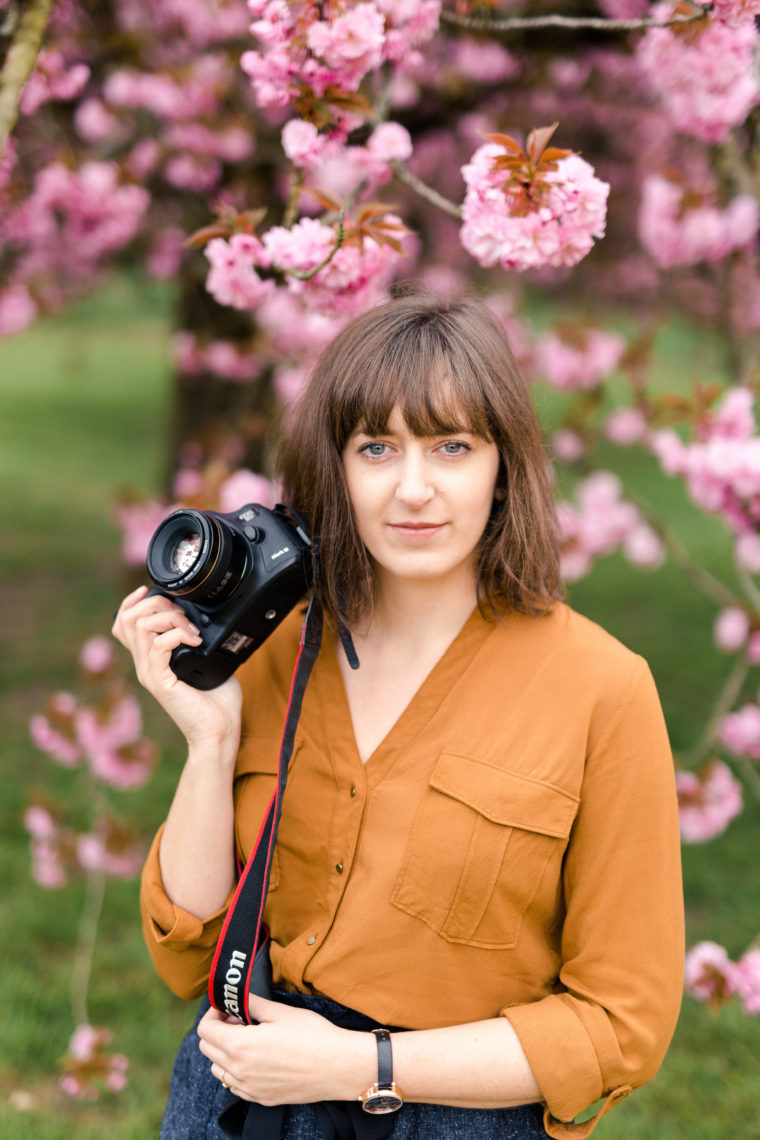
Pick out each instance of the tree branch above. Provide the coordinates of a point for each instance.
(594, 23)
(19, 63)
(427, 192)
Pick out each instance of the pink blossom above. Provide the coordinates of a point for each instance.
(232, 279)
(567, 445)
(87, 1063)
(735, 12)
(228, 360)
(483, 62)
(707, 802)
(111, 853)
(625, 426)
(289, 383)
(126, 766)
(54, 732)
(570, 211)
(580, 360)
(40, 823)
(709, 973)
(51, 847)
(137, 522)
(351, 44)
(165, 255)
(740, 731)
(643, 547)
(706, 79)
(199, 173)
(97, 656)
(747, 551)
(747, 980)
(17, 309)
(731, 629)
(603, 522)
(676, 231)
(95, 123)
(671, 451)
(53, 78)
(244, 487)
(389, 141)
(734, 418)
(302, 143)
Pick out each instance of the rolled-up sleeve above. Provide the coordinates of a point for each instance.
(181, 945)
(606, 1029)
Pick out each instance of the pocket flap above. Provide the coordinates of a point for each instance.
(505, 797)
(258, 754)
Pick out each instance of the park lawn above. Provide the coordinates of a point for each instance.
(85, 411)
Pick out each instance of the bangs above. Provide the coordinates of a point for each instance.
(438, 389)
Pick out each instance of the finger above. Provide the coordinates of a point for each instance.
(261, 1009)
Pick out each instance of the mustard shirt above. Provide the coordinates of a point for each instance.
(510, 849)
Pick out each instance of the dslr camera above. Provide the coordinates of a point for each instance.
(236, 576)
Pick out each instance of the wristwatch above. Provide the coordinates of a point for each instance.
(382, 1097)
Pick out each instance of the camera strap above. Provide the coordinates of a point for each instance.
(241, 961)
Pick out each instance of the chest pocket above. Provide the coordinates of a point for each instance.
(481, 842)
(255, 784)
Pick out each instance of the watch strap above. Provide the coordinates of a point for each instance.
(384, 1058)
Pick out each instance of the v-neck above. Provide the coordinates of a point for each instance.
(336, 711)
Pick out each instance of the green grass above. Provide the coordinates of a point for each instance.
(85, 406)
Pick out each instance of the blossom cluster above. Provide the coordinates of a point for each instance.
(87, 1064)
(600, 523)
(721, 468)
(707, 801)
(330, 50)
(573, 358)
(554, 224)
(54, 77)
(213, 486)
(69, 223)
(678, 227)
(331, 276)
(712, 977)
(704, 74)
(224, 358)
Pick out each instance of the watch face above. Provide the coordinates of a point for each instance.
(382, 1102)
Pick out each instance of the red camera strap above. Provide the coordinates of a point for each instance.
(241, 960)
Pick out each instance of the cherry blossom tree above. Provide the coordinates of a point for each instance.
(284, 163)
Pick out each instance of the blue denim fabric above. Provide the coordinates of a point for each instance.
(196, 1099)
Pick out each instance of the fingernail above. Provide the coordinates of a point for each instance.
(193, 628)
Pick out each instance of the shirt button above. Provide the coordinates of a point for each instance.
(311, 940)
(353, 790)
(339, 868)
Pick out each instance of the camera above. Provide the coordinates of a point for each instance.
(236, 576)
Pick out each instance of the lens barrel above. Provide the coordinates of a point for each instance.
(196, 556)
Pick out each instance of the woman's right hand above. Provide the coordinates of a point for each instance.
(150, 627)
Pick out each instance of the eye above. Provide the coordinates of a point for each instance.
(454, 447)
(373, 450)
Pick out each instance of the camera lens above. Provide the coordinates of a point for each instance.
(196, 556)
(185, 553)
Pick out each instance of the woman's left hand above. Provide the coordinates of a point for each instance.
(293, 1056)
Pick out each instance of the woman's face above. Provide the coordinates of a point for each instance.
(421, 503)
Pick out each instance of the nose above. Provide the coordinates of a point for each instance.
(414, 488)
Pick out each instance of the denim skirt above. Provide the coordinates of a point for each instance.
(200, 1108)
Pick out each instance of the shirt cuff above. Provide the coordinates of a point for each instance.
(565, 1059)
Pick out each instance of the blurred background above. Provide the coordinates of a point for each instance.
(139, 371)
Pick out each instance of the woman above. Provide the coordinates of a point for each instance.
(479, 840)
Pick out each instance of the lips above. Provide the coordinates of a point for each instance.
(416, 529)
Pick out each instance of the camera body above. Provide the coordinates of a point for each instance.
(237, 576)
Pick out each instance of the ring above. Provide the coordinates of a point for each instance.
(224, 1082)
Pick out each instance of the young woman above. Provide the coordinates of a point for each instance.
(479, 842)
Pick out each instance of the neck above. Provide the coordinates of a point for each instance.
(418, 612)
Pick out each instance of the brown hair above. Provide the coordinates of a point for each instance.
(437, 360)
